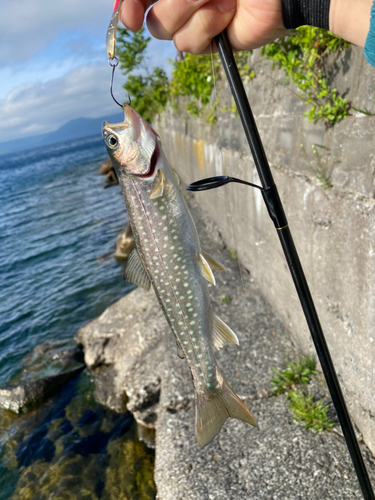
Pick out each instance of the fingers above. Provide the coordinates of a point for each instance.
(133, 13)
(191, 24)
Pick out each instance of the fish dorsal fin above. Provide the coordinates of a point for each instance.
(135, 272)
(215, 265)
(159, 186)
(206, 270)
(222, 334)
(176, 177)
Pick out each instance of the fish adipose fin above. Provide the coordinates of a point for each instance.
(135, 272)
(206, 270)
(215, 265)
(222, 334)
(159, 187)
(214, 407)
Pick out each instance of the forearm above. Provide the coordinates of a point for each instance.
(350, 20)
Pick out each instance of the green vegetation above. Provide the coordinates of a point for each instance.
(303, 406)
(226, 299)
(149, 91)
(294, 374)
(314, 413)
(302, 56)
(233, 254)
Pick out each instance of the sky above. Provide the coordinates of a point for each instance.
(54, 66)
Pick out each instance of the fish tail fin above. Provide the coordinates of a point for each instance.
(214, 407)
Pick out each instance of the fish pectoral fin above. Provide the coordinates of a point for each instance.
(159, 186)
(214, 407)
(135, 272)
(221, 333)
(206, 270)
(215, 265)
(176, 177)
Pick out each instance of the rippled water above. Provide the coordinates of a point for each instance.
(56, 221)
(57, 230)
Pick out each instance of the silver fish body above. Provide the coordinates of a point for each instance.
(168, 256)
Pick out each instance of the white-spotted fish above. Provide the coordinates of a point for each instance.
(168, 256)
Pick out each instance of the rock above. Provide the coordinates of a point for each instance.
(22, 396)
(47, 368)
(124, 245)
(280, 460)
(105, 167)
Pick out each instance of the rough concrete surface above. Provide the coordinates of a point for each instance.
(333, 228)
(134, 360)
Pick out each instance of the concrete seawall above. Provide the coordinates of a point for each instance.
(333, 228)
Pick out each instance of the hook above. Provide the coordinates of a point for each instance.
(113, 66)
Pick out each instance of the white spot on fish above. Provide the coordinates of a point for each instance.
(165, 238)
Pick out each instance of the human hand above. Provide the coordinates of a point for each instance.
(192, 24)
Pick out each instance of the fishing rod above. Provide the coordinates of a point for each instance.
(277, 214)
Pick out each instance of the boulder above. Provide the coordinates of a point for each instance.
(124, 245)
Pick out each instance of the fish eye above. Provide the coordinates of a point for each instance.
(112, 141)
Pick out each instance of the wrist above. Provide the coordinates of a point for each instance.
(350, 20)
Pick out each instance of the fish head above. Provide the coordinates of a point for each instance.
(132, 145)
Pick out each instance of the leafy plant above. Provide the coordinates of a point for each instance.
(314, 413)
(149, 91)
(192, 77)
(320, 170)
(294, 374)
(302, 56)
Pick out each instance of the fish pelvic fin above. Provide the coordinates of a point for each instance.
(159, 186)
(206, 270)
(213, 409)
(215, 265)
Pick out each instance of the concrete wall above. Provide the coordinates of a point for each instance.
(334, 228)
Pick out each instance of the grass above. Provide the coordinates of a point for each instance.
(314, 413)
(303, 406)
(294, 374)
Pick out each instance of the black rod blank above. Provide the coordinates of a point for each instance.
(274, 205)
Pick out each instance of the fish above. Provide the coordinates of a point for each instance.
(168, 257)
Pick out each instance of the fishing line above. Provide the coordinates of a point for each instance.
(227, 201)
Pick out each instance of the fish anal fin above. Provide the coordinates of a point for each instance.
(222, 334)
(135, 272)
(213, 409)
(180, 352)
(206, 270)
(215, 265)
(159, 186)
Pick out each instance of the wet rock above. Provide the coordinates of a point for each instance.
(124, 245)
(109, 172)
(105, 167)
(23, 395)
(47, 368)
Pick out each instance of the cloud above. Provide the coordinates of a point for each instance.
(35, 108)
(28, 26)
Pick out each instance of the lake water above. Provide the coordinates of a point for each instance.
(57, 230)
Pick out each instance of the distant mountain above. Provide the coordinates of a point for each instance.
(80, 127)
